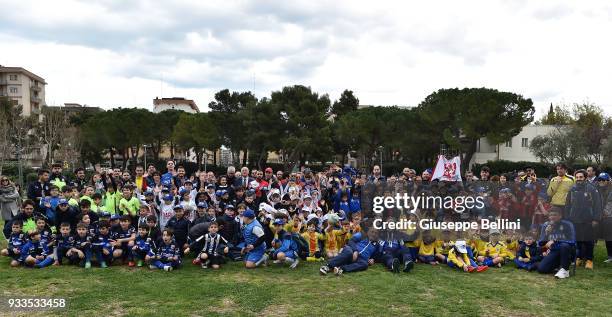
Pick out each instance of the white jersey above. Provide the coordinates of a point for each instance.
(166, 212)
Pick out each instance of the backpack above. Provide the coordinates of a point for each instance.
(302, 244)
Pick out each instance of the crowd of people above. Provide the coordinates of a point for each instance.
(146, 217)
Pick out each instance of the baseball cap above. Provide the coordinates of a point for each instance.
(250, 192)
(178, 207)
(279, 222)
(168, 197)
(249, 213)
(603, 176)
(461, 246)
(210, 186)
(104, 214)
(63, 202)
(148, 192)
(115, 217)
(229, 207)
(202, 205)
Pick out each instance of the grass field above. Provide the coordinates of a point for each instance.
(279, 291)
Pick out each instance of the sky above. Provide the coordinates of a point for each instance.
(125, 53)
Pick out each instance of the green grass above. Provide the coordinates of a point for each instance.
(278, 291)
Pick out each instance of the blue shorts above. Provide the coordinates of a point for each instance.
(488, 261)
(255, 255)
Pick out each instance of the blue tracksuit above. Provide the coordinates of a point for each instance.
(16, 241)
(535, 256)
(46, 237)
(100, 243)
(62, 245)
(288, 246)
(83, 244)
(392, 249)
(34, 249)
(358, 243)
(250, 238)
(162, 253)
(561, 252)
(49, 212)
(142, 247)
(118, 233)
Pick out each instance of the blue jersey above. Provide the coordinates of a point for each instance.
(143, 243)
(65, 242)
(46, 236)
(180, 228)
(102, 240)
(17, 241)
(365, 247)
(163, 251)
(119, 233)
(82, 243)
(34, 249)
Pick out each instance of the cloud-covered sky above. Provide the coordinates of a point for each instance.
(125, 53)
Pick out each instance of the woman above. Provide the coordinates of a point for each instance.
(9, 199)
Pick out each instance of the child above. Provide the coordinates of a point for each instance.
(180, 227)
(81, 251)
(49, 203)
(102, 245)
(34, 253)
(142, 246)
(495, 251)
(143, 213)
(411, 241)
(165, 256)
(153, 230)
(344, 235)
(443, 247)
(529, 254)
(46, 235)
(393, 253)
(460, 257)
(427, 247)
(213, 243)
(16, 241)
(63, 243)
(129, 205)
(124, 236)
(359, 253)
(288, 250)
(331, 241)
(313, 237)
(166, 211)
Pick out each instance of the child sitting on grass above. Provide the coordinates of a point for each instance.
(16, 241)
(142, 245)
(427, 248)
(460, 256)
(165, 255)
(124, 236)
(102, 246)
(312, 237)
(287, 252)
(215, 246)
(528, 255)
(63, 243)
(443, 246)
(357, 255)
(81, 251)
(496, 252)
(35, 253)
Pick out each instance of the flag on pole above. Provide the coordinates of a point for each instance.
(447, 169)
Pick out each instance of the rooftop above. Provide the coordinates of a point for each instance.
(7, 69)
(175, 100)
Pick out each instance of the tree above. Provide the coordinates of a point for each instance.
(560, 115)
(592, 127)
(51, 130)
(307, 130)
(347, 103)
(162, 133)
(196, 132)
(460, 117)
(564, 144)
(264, 129)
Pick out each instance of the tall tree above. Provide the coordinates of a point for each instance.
(51, 129)
(564, 144)
(560, 115)
(196, 132)
(460, 117)
(347, 103)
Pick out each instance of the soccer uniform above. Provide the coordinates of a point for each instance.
(443, 248)
(34, 249)
(426, 251)
(393, 249)
(63, 245)
(142, 246)
(288, 246)
(457, 259)
(83, 244)
(212, 244)
(493, 250)
(251, 233)
(313, 243)
(531, 252)
(162, 253)
(363, 246)
(100, 243)
(16, 241)
(119, 233)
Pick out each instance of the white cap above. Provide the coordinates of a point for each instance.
(461, 246)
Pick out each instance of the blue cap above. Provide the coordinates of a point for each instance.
(202, 205)
(115, 217)
(279, 222)
(505, 190)
(221, 192)
(479, 189)
(168, 197)
(63, 202)
(250, 192)
(178, 207)
(149, 192)
(183, 192)
(104, 214)
(229, 206)
(210, 186)
(249, 213)
(603, 176)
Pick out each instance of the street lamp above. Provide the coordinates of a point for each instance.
(380, 148)
(145, 146)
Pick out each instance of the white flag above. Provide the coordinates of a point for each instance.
(447, 170)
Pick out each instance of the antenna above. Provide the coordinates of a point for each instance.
(253, 83)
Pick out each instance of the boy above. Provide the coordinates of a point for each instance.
(81, 251)
(427, 247)
(49, 203)
(34, 253)
(46, 235)
(16, 241)
(393, 253)
(287, 251)
(443, 247)
(143, 213)
(142, 246)
(180, 227)
(124, 236)
(528, 255)
(153, 230)
(129, 205)
(254, 239)
(166, 211)
(63, 243)
(213, 242)
(313, 237)
(102, 246)
(165, 256)
(495, 251)
(356, 256)
(87, 196)
(460, 257)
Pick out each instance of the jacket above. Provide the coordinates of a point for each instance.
(583, 204)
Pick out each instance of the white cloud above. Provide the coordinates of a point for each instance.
(109, 53)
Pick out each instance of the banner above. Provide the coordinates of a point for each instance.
(447, 170)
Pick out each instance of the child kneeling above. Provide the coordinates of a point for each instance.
(166, 255)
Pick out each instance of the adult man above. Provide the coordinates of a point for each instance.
(180, 177)
(376, 176)
(559, 238)
(605, 225)
(57, 178)
(559, 186)
(39, 188)
(167, 178)
(231, 175)
(79, 180)
(583, 209)
(149, 175)
(591, 174)
(244, 180)
(254, 239)
(141, 183)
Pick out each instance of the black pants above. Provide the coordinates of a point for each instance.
(402, 254)
(609, 248)
(561, 256)
(585, 249)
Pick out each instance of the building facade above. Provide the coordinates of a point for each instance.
(174, 103)
(515, 150)
(23, 88)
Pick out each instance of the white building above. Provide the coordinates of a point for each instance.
(515, 150)
(176, 103)
(23, 88)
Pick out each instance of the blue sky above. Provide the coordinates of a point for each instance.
(119, 53)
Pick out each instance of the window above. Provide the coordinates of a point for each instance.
(12, 77)
(509, 143)
(524, 142)
(13, 90)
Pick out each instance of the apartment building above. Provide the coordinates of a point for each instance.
(23, 88)
(175, 103)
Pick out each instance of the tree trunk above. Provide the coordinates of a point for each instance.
(215, 157)
(171, 149)
(245, 157)
(112, 157)
(468, 156)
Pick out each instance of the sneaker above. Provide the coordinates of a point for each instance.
(196, 261)
(579, 262)
(499, 265)
(588, 265)
(87, 265)
(204, 265)
(131, 264)
(139, 263)
(294, 264)
(324, 270)
(395, 266)
(481, 268)
(408, 266)
(276, 261)
(152, 267)
(338, 271)
(471, 269)
(609, 260)
(168, 268)
(103, 265)
(562, 273)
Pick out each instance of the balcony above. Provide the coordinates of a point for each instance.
(35, 87)
(36, 99)
(3, 81)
